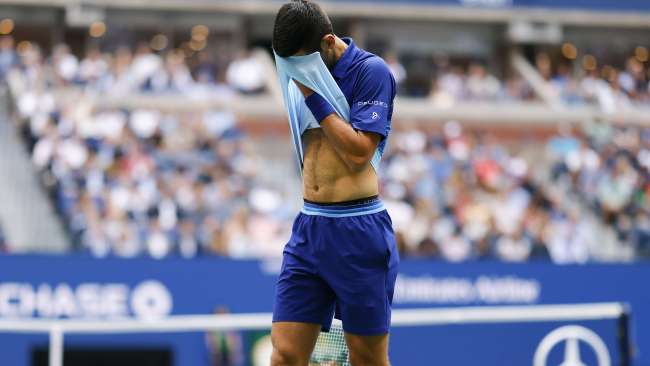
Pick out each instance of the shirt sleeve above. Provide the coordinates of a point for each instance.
(372, 100)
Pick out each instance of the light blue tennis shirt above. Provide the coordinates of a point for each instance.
(360, 87)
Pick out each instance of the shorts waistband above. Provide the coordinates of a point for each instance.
(364, 206)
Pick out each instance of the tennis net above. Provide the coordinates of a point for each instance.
(331, 347)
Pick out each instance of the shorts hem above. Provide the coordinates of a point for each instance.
(366, 332)
(324, 326)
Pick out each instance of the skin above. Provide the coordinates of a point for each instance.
(336, 168)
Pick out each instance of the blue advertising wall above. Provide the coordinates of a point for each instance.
(598, 5)
(79, 287)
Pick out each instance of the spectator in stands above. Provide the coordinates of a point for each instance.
(456, 247)
(616, 186)
(516, 88)
(120, 70)
(544, 65)
(3, 241)
(568, 237)
(146, 71)
(480, 84)
(641, 233)
(66, 65)
(186, 239)
(396, 68)
(514, 247)
(206, 70)
(93, 68)
(449, 86)
(8, 56)
(246, 74)
(565, 85)
(619, 97)
(633, 79)
(178, 77)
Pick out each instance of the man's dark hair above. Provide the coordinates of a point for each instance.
(300, 24)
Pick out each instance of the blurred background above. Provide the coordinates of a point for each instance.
(154, 131)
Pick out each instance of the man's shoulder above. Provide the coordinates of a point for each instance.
(375, 74)
(371, 63)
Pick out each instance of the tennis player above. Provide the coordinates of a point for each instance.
(341, 258)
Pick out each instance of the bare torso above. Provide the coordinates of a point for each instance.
(326, 177)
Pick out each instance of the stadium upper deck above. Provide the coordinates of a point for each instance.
(625, 13)
(487, 31)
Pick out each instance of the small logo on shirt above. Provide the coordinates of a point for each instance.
(373, 102)
(375, 115)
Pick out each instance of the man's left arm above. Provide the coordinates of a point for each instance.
(356, 141)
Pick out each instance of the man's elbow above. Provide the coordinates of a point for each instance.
(358, 163)
(359, 157)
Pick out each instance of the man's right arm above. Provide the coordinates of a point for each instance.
(355, 148)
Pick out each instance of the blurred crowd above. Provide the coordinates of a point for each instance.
(446, 81)
(464, 196)
(476, 84)
(441, 79)
(606, 86)
(138, 70)
(140, 181)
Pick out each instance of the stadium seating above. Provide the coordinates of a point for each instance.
(145, 181)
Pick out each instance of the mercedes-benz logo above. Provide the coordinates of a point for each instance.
(572, 335)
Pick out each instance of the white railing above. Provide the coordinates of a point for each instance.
(401, 318)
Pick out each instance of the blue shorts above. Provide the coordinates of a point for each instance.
(341, 261)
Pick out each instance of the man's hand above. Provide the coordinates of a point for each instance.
(303, 89)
